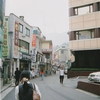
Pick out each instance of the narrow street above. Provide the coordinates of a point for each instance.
(51, 89)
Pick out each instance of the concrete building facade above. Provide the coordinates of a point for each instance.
(84, 33)
(22, 48)
(37, 54)
(47, 55)
(17, 45)
(2, 14)
(62, 55)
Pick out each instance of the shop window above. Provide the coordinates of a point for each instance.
(24, 46)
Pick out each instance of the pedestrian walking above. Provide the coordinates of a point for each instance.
(17, 76)
(61, 74)
(42, 74)
(24, 91)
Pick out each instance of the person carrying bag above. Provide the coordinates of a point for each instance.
(27, 90)
(36, 96)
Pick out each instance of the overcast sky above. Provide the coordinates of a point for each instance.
(51, 16)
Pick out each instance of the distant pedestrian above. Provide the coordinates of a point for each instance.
(24, 91)
(42, 74)
(17, 76)
(61, 74)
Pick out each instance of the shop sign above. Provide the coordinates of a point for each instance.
(24, 56)
(16, 39)
(34, 58)
(5, 49)
(34, 40)
(46, 50)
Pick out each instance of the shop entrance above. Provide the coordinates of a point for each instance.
(24, 65)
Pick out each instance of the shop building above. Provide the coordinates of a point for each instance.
(62, 55)
(84, 35)
(17, 45)
(47, 55)
(2, 14)
(37, 48)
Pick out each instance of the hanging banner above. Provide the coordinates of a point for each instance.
(5, 49)
(16, 40)
(34, 40)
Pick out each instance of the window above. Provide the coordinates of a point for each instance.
(27, 32)
(98, 6)
(35, 32)
(62, 51)
(21, 28)
(47, 56)
(24, 46)
(83, 10)
(76, 11)
(87, 34)
(99, 32)
(63, 46)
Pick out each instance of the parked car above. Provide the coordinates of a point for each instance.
(95, 77)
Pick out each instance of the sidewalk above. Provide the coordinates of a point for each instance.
(5, 87)
(12, 82)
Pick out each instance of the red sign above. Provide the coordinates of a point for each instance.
(34, 40)
(16, 34)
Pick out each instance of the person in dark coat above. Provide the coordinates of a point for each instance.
(17, 76)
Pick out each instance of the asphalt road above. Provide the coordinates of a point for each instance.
(51, 89)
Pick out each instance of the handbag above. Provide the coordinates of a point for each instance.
(36, 96)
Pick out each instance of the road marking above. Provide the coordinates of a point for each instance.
(88, 93)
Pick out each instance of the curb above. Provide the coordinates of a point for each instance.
(5, 88)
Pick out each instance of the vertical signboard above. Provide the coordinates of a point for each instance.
(34, 52)
(34, 40)
(2, 13)
(16, 39)
(5, 48)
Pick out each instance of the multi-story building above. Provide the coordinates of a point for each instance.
(84, 34)
(37, 54)
(47, 55)
(17, 45)
(41, 51)
(2, 14)
(62, 55)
